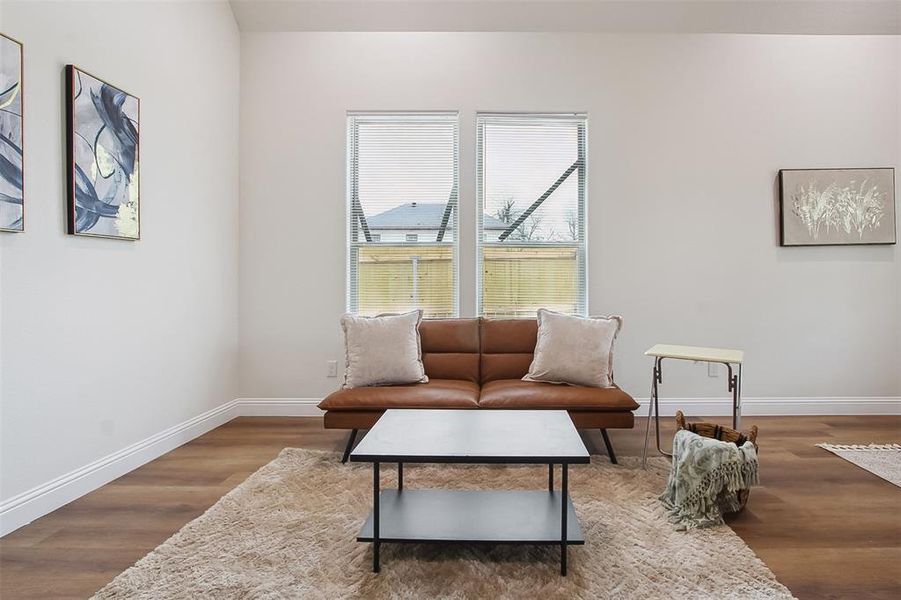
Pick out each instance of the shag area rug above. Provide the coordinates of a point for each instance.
(882, 460)
(289, 531)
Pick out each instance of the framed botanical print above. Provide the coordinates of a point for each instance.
(829, 207)
(103, 138)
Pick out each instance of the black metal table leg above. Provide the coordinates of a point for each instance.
(564, 497)
(375, 517)
(550, 477)
(400, 476)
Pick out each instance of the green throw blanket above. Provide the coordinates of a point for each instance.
(706, 477)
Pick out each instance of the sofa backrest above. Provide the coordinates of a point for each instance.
(507, 346)
(450, 348)
(477, 350)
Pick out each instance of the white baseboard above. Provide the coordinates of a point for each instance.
(37, 502)
(698, 407)
(760, 407)
(279, 407)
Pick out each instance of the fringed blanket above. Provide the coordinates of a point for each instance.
(706, 477)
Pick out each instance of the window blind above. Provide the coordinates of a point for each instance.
(402, 213)
(531, 217)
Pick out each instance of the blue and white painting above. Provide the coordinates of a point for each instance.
(12, 183)
(104, 187)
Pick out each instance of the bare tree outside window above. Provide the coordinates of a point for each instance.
(529, 229)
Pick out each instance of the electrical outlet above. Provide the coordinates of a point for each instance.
(332, 368)
(712, 370)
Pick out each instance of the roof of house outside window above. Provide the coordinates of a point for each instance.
(420, 215)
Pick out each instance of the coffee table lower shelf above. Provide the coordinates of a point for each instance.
(471, 517)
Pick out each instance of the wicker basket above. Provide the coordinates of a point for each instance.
(726, 434)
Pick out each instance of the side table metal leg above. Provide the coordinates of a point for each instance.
(647, 429)
(654, 409)
(375, 517)
(657, 406)
(735, 387)
(400, 476)
(550, 477)
(657, 422)
(564, 498)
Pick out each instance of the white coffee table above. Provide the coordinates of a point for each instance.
(723, 356)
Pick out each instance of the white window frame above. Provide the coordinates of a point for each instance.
(351, 243)
(581, 172)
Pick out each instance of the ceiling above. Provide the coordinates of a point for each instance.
(608, 16)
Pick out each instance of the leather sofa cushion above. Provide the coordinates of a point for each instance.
(505, 336)
(437, 393)
(515, 393)
(507, 348)
(451, 365)
(449, 335)
(504, 366)
(450, 348)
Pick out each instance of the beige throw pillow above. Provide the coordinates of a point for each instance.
(383, 350)
(574, 350)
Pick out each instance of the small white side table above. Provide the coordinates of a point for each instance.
(722, 356)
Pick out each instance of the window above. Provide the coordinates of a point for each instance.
(531, 192)
(402, 213)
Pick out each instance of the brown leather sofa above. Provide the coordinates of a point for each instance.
(479, 364)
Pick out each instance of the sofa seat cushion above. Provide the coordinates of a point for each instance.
(437, 393)
(515, 393)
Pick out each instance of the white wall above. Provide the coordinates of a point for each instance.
(686, 136)
(107, 342)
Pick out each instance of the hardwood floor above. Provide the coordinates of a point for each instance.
(826, 528)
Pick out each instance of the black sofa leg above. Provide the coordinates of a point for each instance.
(350, 445)
(609, 446)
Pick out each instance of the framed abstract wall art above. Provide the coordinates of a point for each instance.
(103, 158)
(12, 181)
(837, 207)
